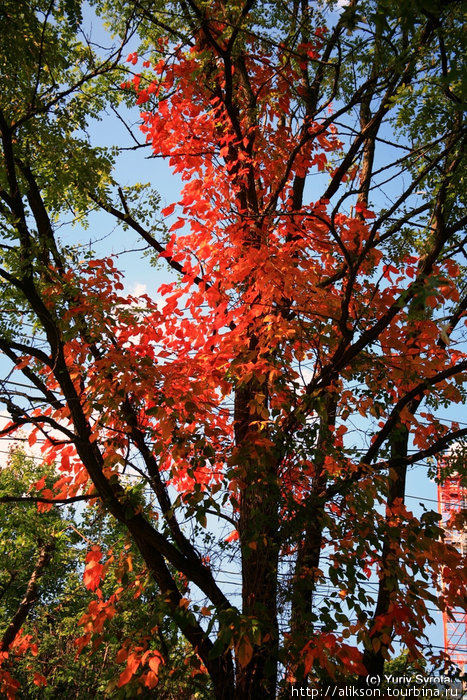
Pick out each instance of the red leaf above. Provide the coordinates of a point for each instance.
(168, 210)
(131, 668)
(39, 679)
(244, 651)
(93, 570)
(178, 224)
(155, 661)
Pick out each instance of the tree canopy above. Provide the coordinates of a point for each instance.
(260, 414)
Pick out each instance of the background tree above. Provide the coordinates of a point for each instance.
(29, 543)
(52, 623)
(289, 379)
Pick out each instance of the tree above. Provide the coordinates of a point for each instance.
(29, 542)
(293, 373)
(43, 598)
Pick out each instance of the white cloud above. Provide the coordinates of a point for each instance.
(139, 289)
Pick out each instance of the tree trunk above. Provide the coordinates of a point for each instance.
(258, 532)
(30, 597)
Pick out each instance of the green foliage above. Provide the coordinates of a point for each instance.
(23, 531)
(49, 100)
(59, 615)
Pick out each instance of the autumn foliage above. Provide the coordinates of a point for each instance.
(265, 407)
